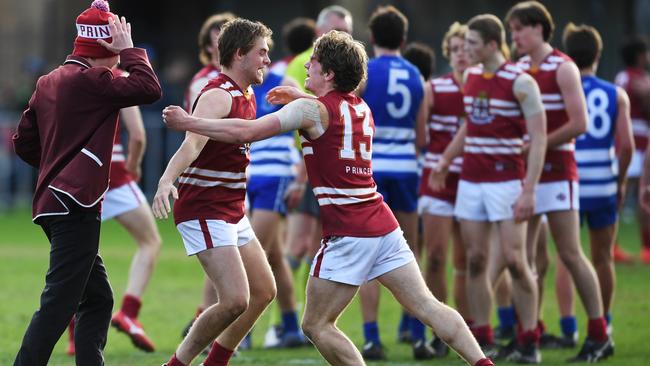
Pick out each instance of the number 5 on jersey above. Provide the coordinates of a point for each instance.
(365, 147)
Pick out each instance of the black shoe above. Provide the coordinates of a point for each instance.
(404, 336)
(504, 334)
(550, 341)
(422, 351)
(504, 351)
(593, 351)
(439, 347)
(373, 352)
(528, 354)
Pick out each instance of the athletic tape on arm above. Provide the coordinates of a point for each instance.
(293, 114)
(525, 85)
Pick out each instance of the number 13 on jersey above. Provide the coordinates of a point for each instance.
(352, 113)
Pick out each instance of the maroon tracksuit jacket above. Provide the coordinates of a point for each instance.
(68, 128)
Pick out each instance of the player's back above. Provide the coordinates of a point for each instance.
(595, 154)
(340, 171)
(640, 124)
(393, 92)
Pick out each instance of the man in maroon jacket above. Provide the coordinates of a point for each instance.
(67, 134)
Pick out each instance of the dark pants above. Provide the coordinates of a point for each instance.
(76, 282)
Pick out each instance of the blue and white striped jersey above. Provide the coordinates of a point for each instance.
(394, 92)
(595, 155)
(275, 156)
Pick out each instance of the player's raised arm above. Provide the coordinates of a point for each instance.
(302, 113)
(527, 92)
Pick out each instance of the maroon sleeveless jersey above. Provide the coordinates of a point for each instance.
(213, 187)
(560, 163)
(340, 171)
(495, 126)
(444, 120)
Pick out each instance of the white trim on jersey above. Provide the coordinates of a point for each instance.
(393, 148)
(600, 172)
(569, 146)
(492, 150)
(595, 155)
(554, 106)
(307, 151)
(211, 183)
(444, 118)
(344, 200)
(494, 141)
(215, 173)
(395, 165)
(117, 158)
(598, 190)
(344, 191)
(446, 89)
(395, 133)
(442, 127)
(552, 97)
(640, 127)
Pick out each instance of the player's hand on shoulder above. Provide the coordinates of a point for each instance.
(161, 206)
(175, 117)
(120, 33)
(284, 94)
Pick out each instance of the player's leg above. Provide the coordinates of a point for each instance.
(460, 273)
(326, 300)
(564, 228)
(262, 293)
(436, 231)
(408, 287)
(141, 226)
(564, 290)
(603, 226)
(225, 268)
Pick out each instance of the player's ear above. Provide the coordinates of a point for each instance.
(329, 75)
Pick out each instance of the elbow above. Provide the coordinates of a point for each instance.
(151, 93)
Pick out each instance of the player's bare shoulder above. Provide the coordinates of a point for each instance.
(213, 103)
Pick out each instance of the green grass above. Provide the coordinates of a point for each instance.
(175, 290)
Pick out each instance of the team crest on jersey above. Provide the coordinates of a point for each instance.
(480, 113)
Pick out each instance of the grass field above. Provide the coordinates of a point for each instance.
(175, 290)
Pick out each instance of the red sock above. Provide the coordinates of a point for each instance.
(71, 329)
(645, 237)
(483, 334)
(218, 356)
(131, 306)
(469, 322)
(528, 337)
(174, 361)
(597, 329)
(199, 310)
(484, 362)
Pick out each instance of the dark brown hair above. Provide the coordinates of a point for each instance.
(239, 34)
(533, 13)
(337, 52)
(491, 29)
(299, 34)
(214, 22)
(582, 43)
(422, 56)
(388, 27)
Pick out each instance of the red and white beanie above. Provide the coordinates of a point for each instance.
(92, 25)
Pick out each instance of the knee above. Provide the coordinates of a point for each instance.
(436, 263)
(310, 328)
(264, 296)
(235, 306)
(477, 264)
(516, 268)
